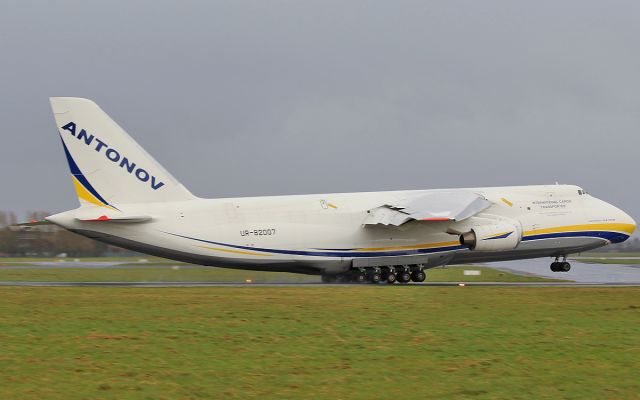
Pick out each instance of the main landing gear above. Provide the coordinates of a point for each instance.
(560, 266)
(388, 274)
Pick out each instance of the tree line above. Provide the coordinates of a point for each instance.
(47, 240)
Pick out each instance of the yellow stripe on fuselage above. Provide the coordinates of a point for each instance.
(615, 227)
(248, 253)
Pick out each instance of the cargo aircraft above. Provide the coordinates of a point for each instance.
(129, 200)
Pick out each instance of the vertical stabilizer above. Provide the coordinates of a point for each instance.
(107, 166)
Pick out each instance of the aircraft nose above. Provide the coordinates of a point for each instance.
(628, 222)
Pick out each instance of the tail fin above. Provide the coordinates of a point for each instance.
(108, 167)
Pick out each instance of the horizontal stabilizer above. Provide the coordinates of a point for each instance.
(116, 218)
(429, 207)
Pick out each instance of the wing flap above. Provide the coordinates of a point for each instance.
(429, 207)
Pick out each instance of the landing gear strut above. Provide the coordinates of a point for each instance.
(560, 266)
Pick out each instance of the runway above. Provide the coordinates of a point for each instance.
(581, 275)
(581, 272)
(310, 285)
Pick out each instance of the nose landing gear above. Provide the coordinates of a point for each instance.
(560, 266)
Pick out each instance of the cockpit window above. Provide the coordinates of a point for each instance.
(581, 192)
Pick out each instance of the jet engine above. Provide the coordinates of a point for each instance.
(495, 237)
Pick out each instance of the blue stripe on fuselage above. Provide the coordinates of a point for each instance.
(613, 237)
(329, 253)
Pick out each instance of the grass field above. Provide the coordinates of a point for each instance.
(361, 342)
(605, 260)
(189, 273)
(22, 260)
(146, 260)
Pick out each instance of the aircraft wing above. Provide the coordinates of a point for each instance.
(455, 205)
(93, 217)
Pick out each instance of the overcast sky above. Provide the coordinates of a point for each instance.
(248, 98)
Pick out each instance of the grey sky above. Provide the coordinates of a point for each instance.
(241, 98)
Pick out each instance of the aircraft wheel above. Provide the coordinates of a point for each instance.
(554, 266)
(359, 277)
(392, 277)
(404, 277)
(418, 276)
(565, 267)
(375, 277)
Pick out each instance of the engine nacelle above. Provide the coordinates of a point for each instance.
(492, 237)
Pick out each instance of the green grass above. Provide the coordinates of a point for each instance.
(145, 260)
(186, 273)
(360, 342)
(114, 259)
(148, 274)
(608, 261)
(49, 259)
(609, 254)
(608, 258)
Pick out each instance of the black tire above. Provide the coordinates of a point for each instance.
(418, 276)
(375, 277)
(554, 266)
(392, 278)
(404, 277)
(565, 267)
(359, 277)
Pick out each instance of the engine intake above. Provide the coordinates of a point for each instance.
(492, 237)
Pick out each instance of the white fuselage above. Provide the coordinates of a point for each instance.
(325, 233)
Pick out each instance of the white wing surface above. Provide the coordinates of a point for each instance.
(431, 206)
